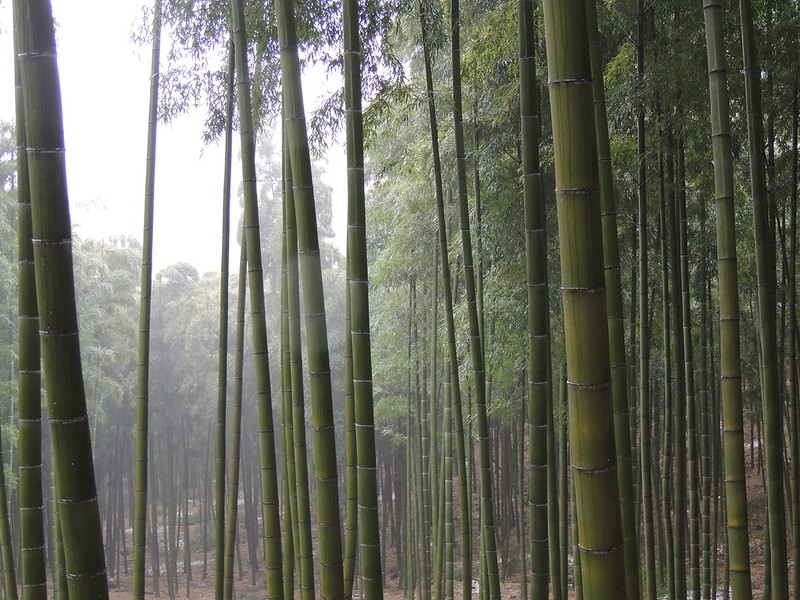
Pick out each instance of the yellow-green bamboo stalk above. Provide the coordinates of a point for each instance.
(358, 296)
(616, 332)
(328, 519)
(730, 362)
(304, 547)
(583, 296)
(538, 374)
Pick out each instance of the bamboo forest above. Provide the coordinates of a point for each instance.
(555, 355)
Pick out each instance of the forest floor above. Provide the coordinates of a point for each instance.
(203, 588)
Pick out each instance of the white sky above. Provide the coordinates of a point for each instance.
(105, 88)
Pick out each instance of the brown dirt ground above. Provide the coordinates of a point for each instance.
(203, 589)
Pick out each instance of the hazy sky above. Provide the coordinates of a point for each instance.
(105, 88)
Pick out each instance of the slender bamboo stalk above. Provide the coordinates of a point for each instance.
(538, 374)
(476, 343)
(667, 445)
(648, 537)
(143, 370)
(222, 356)
(765, 267)
(266, 441)
(730, 362)
(290, 520)
(304, 548)
(350, 450)
(465, 517)
(232, 507)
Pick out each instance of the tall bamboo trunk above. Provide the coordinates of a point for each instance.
(58, 322)
(29, 401)
(648, 538)
(730, 362)
(476, 342)
(358, 295)
(583, 295)
(305, 553)
(232, 502)
(266, 441)
(328, 520)
(616, 331)
(222, 357)
(143, 363)
(764, 242)
(538, 376)
(461, 460)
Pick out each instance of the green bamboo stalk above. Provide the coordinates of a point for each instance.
(330, 547)
(358, 296)
(232, 507)
(350, 450)
(69, 424)
(678, 413)
(291, 525)
(667, 420)
(465, 516)
(266, 441)
(538, 378)
(29, 401)
(143, 367)
(476, 342)
(305, 552)
(764, 242)
(583, 296)
(449, 534)
(6, 550)
(792, 302)
(690, 412)
(705, 422)
(563, 485)
(616, 331)
(730, 362)
(648, 538)
(222, 356)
